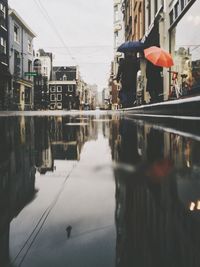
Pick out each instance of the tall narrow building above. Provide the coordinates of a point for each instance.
(21, 62)
(4, 56)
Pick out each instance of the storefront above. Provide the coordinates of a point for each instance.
(185, 44)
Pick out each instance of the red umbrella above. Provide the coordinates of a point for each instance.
(158, 56)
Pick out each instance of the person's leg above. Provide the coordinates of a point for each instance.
(131, 98)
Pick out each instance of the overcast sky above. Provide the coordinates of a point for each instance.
(76, 31)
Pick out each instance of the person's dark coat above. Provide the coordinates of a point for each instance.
(127, 73)
(154, 80)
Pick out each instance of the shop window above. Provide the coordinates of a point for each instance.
(185, 48)
(27, 95)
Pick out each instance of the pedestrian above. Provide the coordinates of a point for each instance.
(154, 82)
(127, 75)
(68, 230)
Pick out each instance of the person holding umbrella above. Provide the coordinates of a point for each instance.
(127, 75)
(157, 58)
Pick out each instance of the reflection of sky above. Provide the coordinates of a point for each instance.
(187, 31)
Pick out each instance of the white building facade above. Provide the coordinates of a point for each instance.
(21, 61)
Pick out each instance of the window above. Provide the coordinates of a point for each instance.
(59, 88)
(52, 89)
(176, 10)
(2, 10)
(182, 4)
(70, 88)
(116, 13)
(45, 71)
(29, 68)
(2, 16)
(2, 46)
(16, 34)
(156, 6)
(29, 46)
(17, 63)
(171, 16)
(52, 97)
(59, 97)
(149, 12)
(64, 77)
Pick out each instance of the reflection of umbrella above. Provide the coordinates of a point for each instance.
(131, 46)
(158, 56)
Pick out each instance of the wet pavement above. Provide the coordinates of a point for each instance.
(99, 190)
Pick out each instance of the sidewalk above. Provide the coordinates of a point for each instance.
(180, 107)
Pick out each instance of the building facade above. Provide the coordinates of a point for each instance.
(119, 38)
(134, 20)
(21, 62)
(43, 67)
(184, 43)
(4, 56)
(63, 89)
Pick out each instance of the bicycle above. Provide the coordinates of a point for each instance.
(176, 89)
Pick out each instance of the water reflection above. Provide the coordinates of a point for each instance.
(157, 186)
(17, 175)
(157, 206)
(28, 145)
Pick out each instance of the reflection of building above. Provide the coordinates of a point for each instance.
(17, 172)
(4, 57)
(105, 98)
(158, 206)
(43, 68)
(63, 89)
(43, 151)
(68, 136)
(21, 59)
(88, 96)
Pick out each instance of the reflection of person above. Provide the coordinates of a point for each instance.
(154, 82)
(127, 72)
(68, 230)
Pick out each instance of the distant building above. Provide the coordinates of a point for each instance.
(113, 87)
(43, 67)
(63, 89)
(4, 56)
(105, 98)
(119, 38)
(93, 93)
(21, 62)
